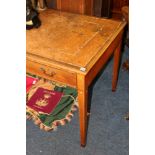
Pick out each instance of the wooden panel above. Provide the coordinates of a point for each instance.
(51, 73)
(105, 8)
(74, 6)
(116, 7)
(68, 38)
(102, 8)
(89, 7)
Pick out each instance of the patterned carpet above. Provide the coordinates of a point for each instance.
(108, 130)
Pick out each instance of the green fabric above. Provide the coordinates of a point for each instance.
(32, 75)
(63, 108)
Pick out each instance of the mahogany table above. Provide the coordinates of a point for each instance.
(72, 49)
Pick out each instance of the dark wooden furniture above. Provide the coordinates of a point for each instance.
(74, 6)
(125, 13)
(116, 6)
(72, 49)
(109, 8)
(100, 8)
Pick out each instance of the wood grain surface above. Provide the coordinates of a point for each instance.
(69, 38)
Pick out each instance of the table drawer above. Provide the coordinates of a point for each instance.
(51, 73)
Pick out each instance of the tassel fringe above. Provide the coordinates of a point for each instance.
(32, 115)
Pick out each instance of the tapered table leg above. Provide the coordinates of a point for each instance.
(117, 54)
(82, 100)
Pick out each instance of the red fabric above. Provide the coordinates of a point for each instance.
(29, 82)
(44, 100)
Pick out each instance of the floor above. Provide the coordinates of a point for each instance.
(108, 130)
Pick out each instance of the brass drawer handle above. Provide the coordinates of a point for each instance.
(48, 72)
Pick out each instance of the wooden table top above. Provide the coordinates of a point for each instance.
(71, 39)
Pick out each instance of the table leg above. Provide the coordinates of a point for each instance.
(82, 100)
(117, 54)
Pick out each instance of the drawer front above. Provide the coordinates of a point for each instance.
(51, 73)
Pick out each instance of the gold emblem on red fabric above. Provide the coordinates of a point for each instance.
(43, 102)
